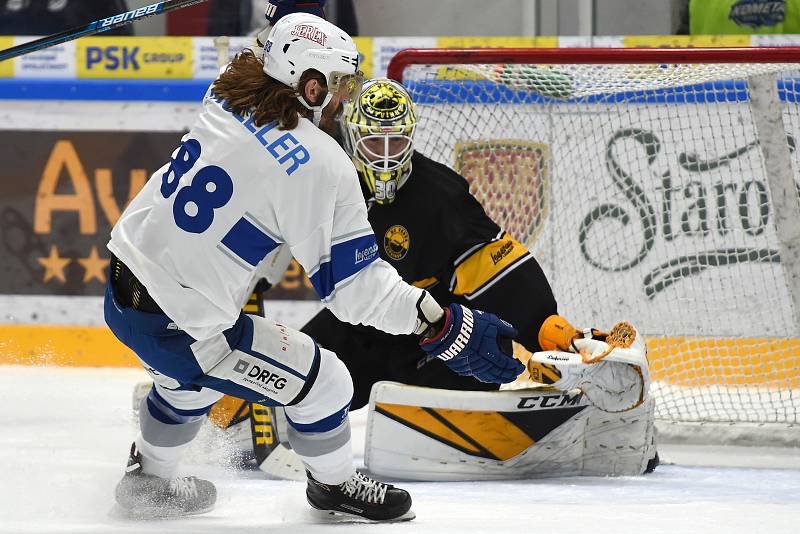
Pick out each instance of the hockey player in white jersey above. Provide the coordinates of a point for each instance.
(256, 172)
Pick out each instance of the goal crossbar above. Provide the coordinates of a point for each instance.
(550, 56)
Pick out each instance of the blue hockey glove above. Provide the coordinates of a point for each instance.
(469, 344)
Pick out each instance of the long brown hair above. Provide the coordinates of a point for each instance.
(248, 91)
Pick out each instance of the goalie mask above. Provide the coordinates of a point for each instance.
(380, 128)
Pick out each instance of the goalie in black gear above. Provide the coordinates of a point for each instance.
(438, 237)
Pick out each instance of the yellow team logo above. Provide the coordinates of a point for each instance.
(396, 242)
(383, 102)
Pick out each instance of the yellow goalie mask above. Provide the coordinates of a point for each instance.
(379, 136)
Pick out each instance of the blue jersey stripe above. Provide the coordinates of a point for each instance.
(249, 242)
(165, 406)
(347, 258)
(323, 425)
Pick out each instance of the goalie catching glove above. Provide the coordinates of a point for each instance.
(611, 369)
(469, 343)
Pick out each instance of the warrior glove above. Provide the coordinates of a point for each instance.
(469, 343)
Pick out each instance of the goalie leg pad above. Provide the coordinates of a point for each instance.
(419, 433)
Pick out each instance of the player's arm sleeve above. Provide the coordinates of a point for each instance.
(340, 256)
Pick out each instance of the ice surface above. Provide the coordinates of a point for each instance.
(66, 433)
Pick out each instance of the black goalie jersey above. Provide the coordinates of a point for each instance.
(439, 238)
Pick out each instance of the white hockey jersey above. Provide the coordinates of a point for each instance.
(230, 195)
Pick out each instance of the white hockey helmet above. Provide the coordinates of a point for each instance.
(301, 41)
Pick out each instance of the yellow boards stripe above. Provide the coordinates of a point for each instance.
(421, 420)
(76, 346)
(679, 361)
(701, 361)
(487, 263)
(726, 362)
(490, 430)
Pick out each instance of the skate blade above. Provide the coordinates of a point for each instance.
(149, 513)
(331, 516)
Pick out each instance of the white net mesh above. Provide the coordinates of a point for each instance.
(641, 190)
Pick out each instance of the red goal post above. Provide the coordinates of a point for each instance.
(655, 185)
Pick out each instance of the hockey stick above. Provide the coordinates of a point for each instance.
(98, 26)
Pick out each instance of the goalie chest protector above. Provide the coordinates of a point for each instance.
(433, 221)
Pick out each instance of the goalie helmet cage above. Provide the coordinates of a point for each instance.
(654, 185)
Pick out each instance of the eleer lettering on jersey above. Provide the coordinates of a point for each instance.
(286, 149)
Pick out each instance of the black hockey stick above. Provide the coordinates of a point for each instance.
(98, 26)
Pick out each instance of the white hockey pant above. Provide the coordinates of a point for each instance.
(319, 428)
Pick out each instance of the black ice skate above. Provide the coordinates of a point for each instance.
(360, 496)
(145, 496)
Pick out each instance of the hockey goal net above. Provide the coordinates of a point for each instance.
(657, 186)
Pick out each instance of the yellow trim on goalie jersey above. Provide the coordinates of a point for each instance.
(425, 282)
(486, 264)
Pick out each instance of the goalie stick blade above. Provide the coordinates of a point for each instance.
(284, 464)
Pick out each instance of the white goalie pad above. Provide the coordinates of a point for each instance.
(417, 433)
